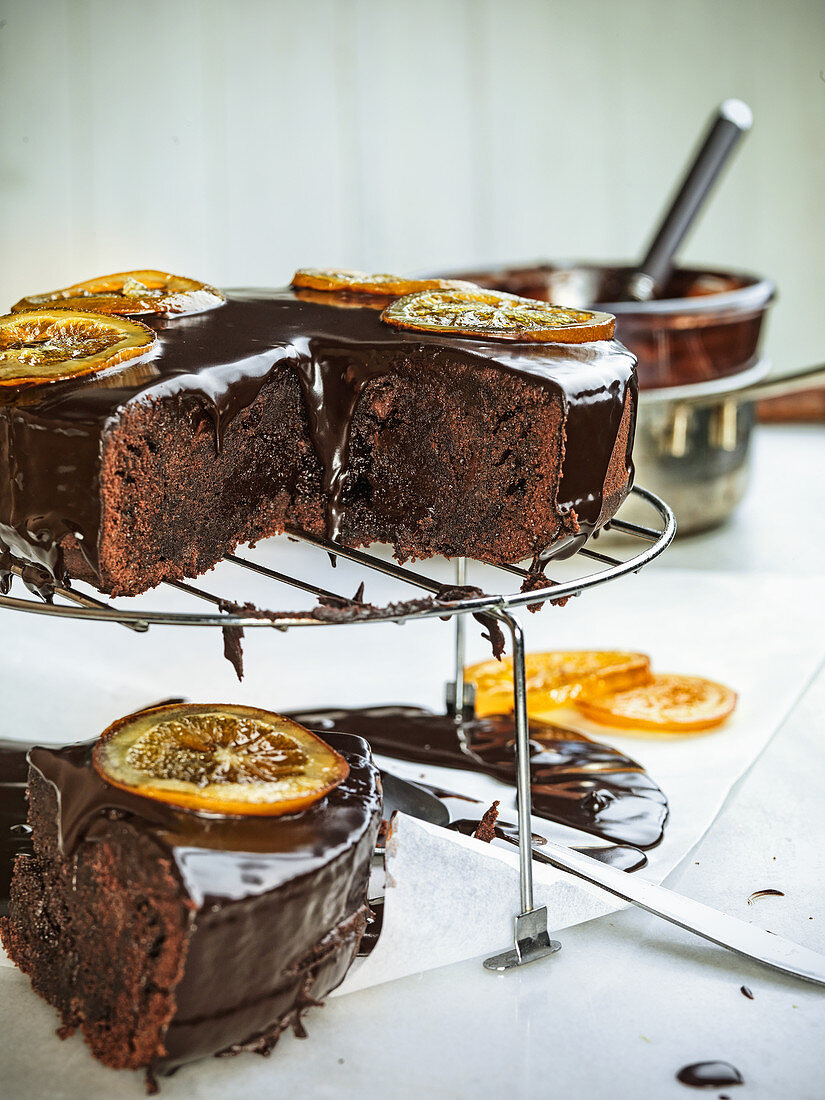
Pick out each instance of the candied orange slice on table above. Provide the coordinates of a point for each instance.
(666, 704)
(359, 282)
(556, 679)
(220, 759)
(131, 293)
(50, 345)
(471, 311)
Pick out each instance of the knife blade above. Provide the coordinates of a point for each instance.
(694, 916)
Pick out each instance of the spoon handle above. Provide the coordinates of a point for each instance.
(731, 121)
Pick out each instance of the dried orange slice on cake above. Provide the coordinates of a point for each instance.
(131, 293)
(556, 679)
(470, 311)
(667, 704)
(50, 345)
(359, 282)
(220, 759)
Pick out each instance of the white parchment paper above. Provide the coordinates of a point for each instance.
(451, 897)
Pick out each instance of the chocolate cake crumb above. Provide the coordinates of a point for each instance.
(486, 830)
(535, 581)
(341, 610)
(493, 634)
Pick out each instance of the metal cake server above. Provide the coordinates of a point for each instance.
(694, 916)
(399, 794)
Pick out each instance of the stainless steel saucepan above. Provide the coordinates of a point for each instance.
(700, 372)
(693, 442)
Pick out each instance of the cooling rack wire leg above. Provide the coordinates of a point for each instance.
(532, 940)
(459, 695)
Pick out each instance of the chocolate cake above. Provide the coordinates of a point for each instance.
(166, 936)
(293, 408)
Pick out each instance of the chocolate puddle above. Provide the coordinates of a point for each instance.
(576, 781)
(710, 1075)
(765, 894)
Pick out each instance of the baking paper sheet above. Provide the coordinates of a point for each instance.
(452, 897)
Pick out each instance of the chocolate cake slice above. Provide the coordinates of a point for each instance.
(293, 408)
(166, 936)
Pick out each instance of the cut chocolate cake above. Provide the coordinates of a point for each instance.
(165, 936)
(298, 408)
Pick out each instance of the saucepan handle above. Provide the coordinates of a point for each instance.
(775, 385)
(778, 385)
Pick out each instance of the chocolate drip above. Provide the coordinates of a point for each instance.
(623, 856)
(15, 836)
(576, 781)
(51, 437)
(375, 923)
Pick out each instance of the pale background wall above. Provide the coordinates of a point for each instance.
(237, 140)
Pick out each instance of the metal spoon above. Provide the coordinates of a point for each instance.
(412, 800)
(731, 121)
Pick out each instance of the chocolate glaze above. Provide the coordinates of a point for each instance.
(206, 848)
(52, 437)
(576, 781)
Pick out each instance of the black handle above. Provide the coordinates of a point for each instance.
(732, 120)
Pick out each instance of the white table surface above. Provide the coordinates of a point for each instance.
(630, 999)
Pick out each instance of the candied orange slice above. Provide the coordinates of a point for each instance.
(556, 679)
(667, 704)
(330, 278)
(494, 315)
(219, 759)
(50, 345)
(131, 293)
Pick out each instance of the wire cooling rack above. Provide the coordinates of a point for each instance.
(430, 597)
(592, 568)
